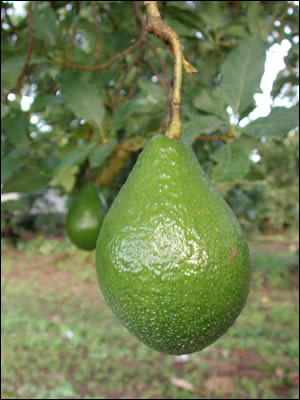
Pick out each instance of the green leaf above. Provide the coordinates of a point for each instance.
(150, 101)
(12, 162)
(100, 154)
(242, 72)
(211, 101)
(65, 177)
(44, 100)
(256, 20)
(45, 25)
(120, 40)
(276, 125)
(185, 14)
(212, 14)
(88, 30)
(237, 31)
(77, 156)
(83, 99)
(233, 163)
(200, 124)
(26, 180)
(16, 125)
(12, 67)
(151, 96)
(181, 29)
(123, 113)
(15, 205)
(10, 70)
(5, 109)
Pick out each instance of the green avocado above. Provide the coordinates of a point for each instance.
(85, 217)
(172, 262)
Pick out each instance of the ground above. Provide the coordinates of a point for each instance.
(60, 341)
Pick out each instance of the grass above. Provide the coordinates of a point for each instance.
(60, 341)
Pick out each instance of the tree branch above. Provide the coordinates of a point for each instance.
(118, 161)
(98, 31)
(100, 67)
(110, 16)
(17, 87)
(156, 26)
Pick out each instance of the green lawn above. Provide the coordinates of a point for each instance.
(60, 341)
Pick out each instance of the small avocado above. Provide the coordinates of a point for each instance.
(85, 217)
(172, 262)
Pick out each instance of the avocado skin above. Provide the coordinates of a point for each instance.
(171, 259)
(85, 217)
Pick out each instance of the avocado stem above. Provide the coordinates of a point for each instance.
(170, 38)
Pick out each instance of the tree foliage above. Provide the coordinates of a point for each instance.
(98, 90)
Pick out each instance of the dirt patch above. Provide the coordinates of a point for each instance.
(40, 269)
(242, 363)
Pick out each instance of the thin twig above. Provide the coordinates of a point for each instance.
(17, 87)
(164, 84)
(98, 31)
(228, 43)
(110, 16)
(162, 63)
(138, 12)
(100, 67)
(270, 26)
(142, 35)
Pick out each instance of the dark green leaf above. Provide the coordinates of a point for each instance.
(10, 70)
(77, 156)
(242, 72)
(181, 29)
(276, 125)
(210, 101)
(233, 163)
(100, 154)
(43, 101)
(16, 125)
(120, 40)
(183, 13)
(45, 25)
(12, 67)
(212, 14)
(234, 31)
(285, 81)
(26, 180)
(83, 99)
(255, 12)
(15, 205)
(200, 124)
(12, 162)
(123, 113)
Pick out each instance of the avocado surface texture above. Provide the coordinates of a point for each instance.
(172, 262)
